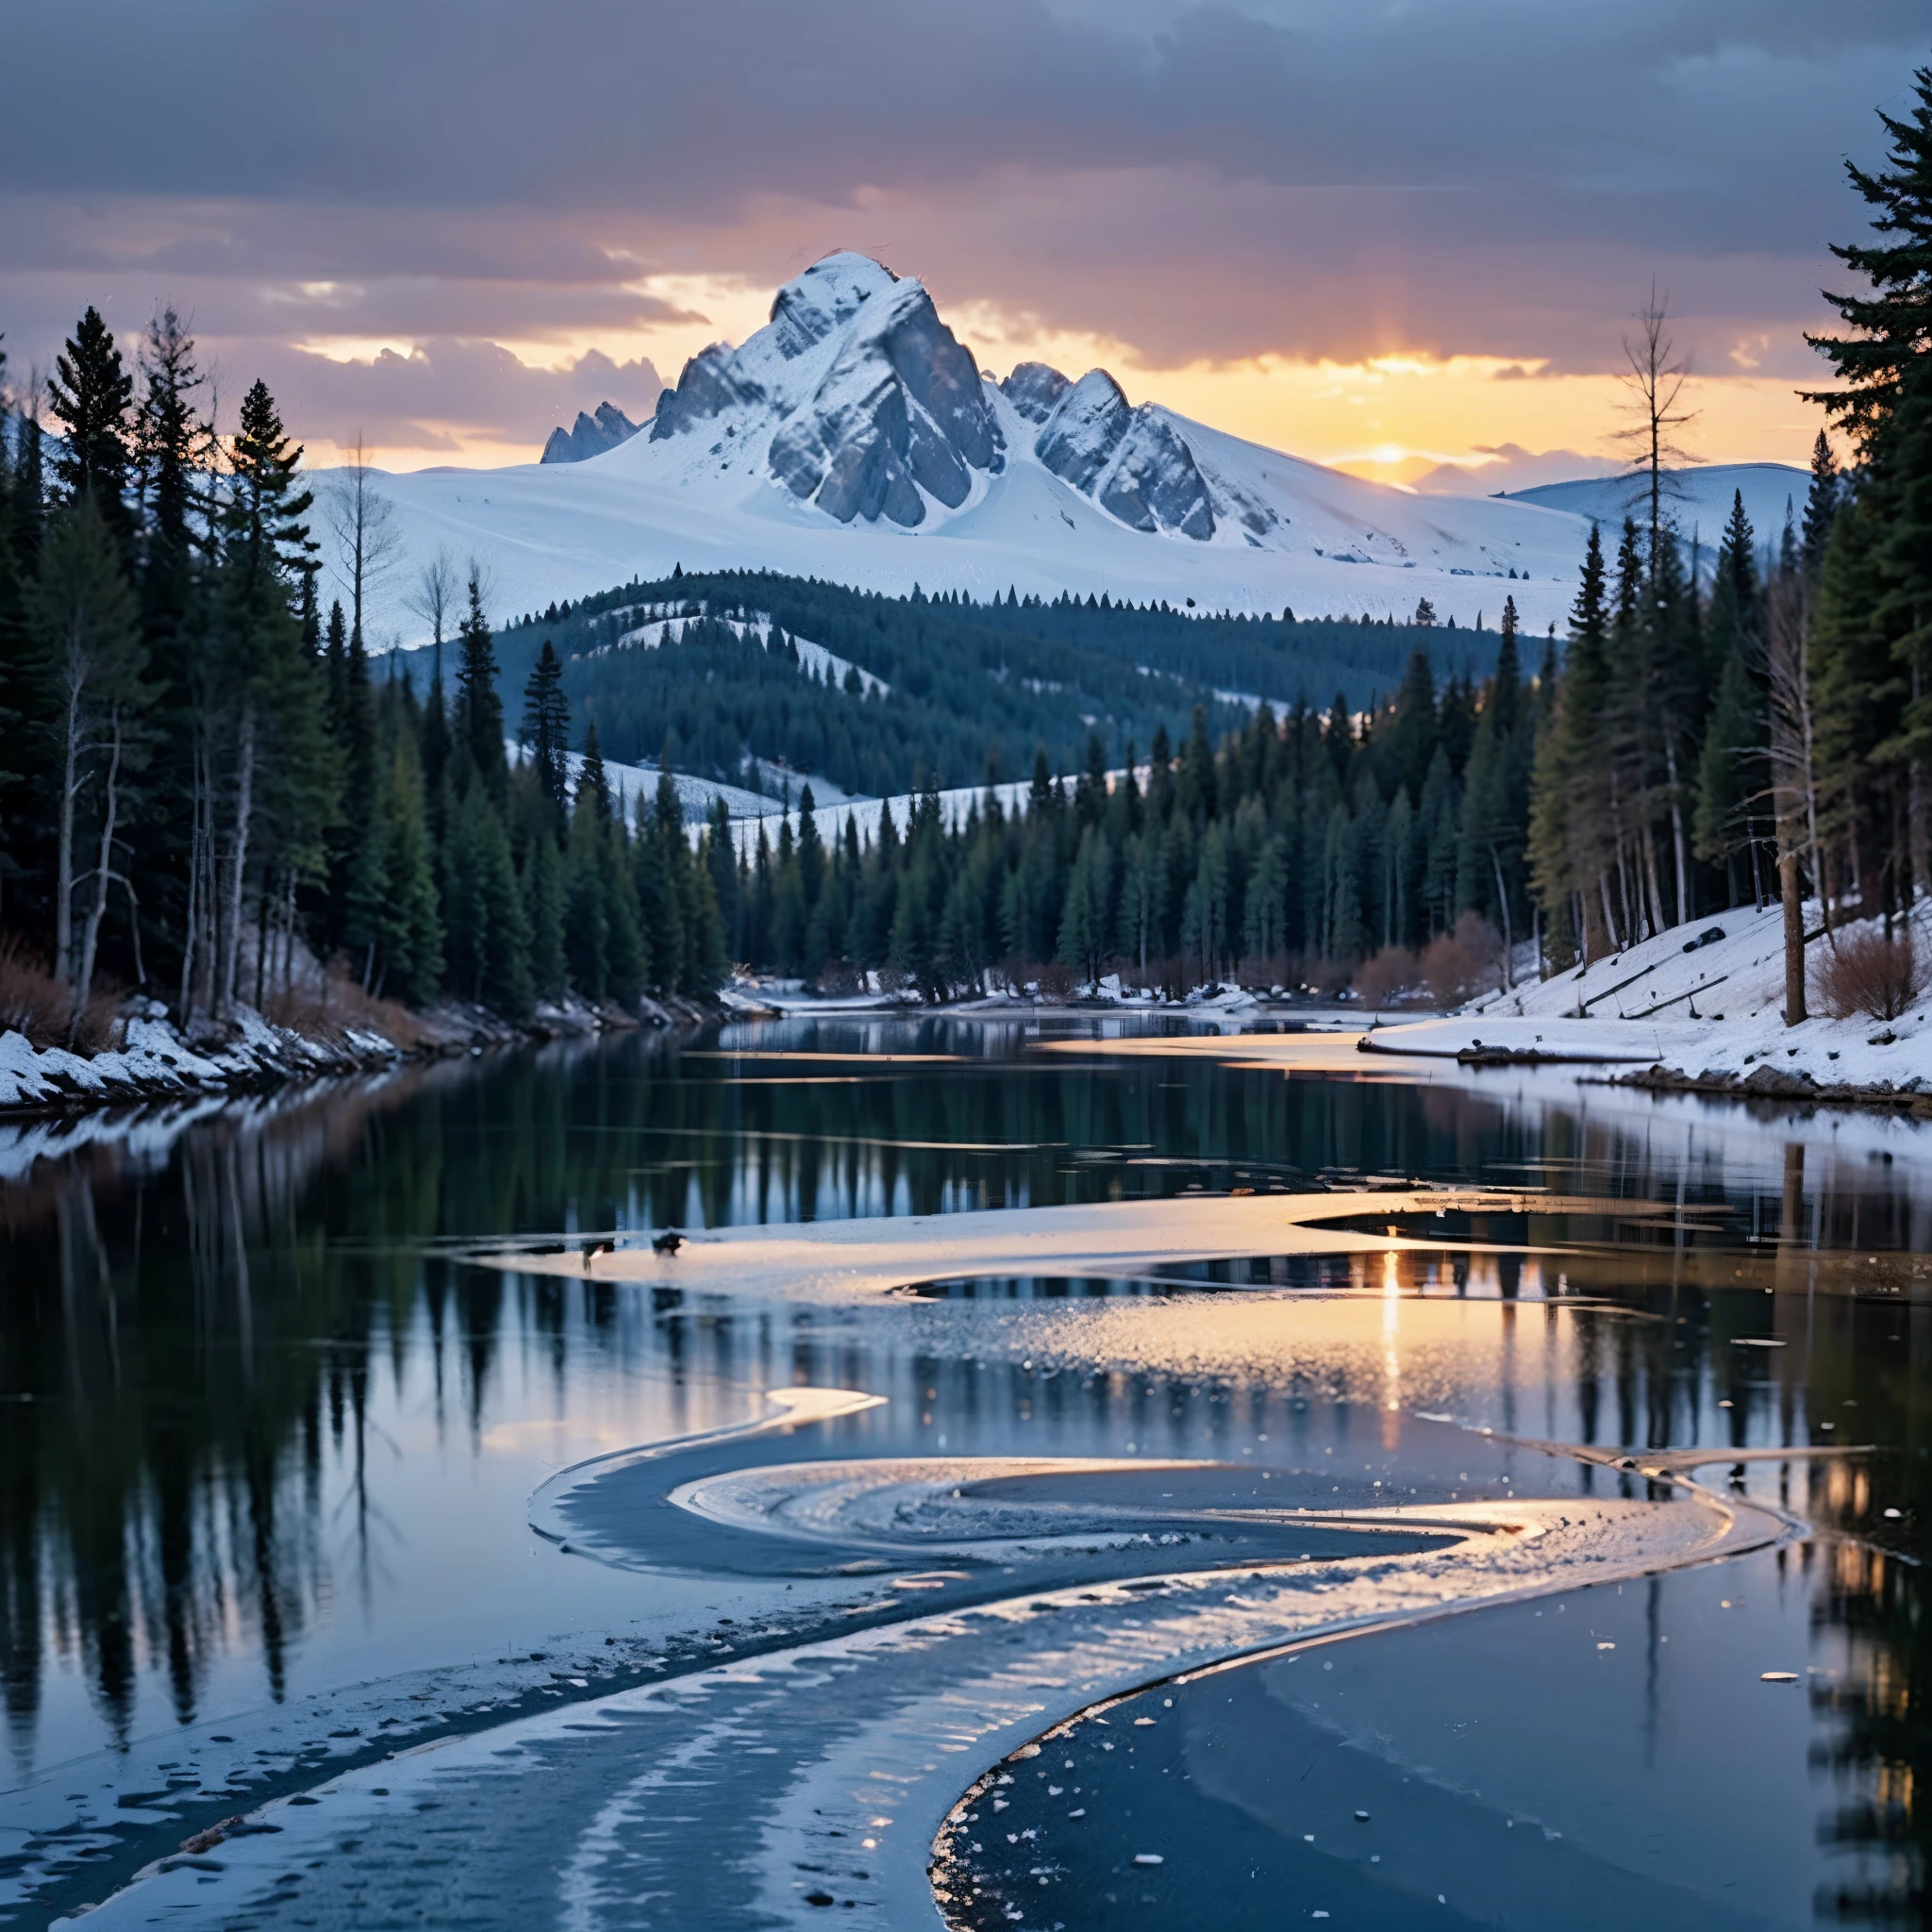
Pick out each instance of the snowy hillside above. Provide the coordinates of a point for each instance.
(854, 439)
(1700, 500)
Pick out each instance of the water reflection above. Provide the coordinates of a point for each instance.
(241, 1391)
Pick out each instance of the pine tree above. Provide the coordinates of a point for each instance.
(1568, 812)
(478, 725)
(1886, 354)
(593, 781)
(487, 932)
(544, 907)
(1885, 403)
(586, 914)
(627, 960)
(263, 703)
(1822, 501)
(545, 733)
(92, 393)
(1496, 799)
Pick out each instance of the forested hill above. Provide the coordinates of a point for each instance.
(966, 686)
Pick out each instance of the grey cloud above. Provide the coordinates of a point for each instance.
(1307, 176)
(656, 107)
(443, 392)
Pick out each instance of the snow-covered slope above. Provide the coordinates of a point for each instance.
(854, 439)
(1700, 499)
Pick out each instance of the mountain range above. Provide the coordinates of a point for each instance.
(855, 438)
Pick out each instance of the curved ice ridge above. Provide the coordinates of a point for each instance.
(935, 1506)
(789, 1409)
(751, 1794)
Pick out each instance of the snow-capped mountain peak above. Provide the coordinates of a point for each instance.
(858, 397)
(855, 437)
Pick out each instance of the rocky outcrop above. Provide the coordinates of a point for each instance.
(876, 405)
(590, 436)
(709, 386)
(1133, 462)
(900, 410)
(1035, 389)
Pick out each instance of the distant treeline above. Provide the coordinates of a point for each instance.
(974, 689)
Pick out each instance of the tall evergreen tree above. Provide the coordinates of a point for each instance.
(1885, 603)
(479, 706)
(92, 393)
(545, 731)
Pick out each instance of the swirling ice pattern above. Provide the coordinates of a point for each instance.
(758, 1792)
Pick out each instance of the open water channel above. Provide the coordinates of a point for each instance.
(1219, 1484)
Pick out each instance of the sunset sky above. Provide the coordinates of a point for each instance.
(1382, 234)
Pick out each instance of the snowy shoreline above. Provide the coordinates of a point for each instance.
(153, 1062)
(1635, 1016)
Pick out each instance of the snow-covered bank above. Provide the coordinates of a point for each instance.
(1700, 1009)
(153, 1061)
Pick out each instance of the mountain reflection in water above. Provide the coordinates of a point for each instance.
(254, 1409)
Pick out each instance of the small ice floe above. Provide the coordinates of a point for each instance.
(1143, 1722)
(1149, 1859)
(1778, 1676)
(1078, 1811)
(1606, 1646)
(1362, 1817)
(1892, 1515)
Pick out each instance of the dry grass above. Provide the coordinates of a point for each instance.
(32, 1000)
(34, 1003)
(1866, 973)
(1056, 980)
(1456, 966)
(342, 1006)
(1386, 977)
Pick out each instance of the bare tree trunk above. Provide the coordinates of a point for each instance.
(1915, 808)
(104, 871)
(1658, 920)
(1678, 855)
(194, 839)
(1794, 937)
(260, 943)
(71, 782)
(238, 865)
(1503, 903)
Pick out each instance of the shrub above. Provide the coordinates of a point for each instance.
(1456, 966)
(1057, 981)
(1386, 977)
(1863, 971)
(32, 1000)
(341, 1008)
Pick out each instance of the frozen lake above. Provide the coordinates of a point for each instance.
(1068, 1476)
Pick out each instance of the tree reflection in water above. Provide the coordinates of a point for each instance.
(195, 1308)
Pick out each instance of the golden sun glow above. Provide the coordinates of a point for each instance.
(1391, 417)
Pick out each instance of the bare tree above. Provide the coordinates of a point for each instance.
(1794, 782)
(1656, 382)
(434, 597)
(362, 522)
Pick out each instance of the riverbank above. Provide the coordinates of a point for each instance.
(1697, 1015)
(152, 1059)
